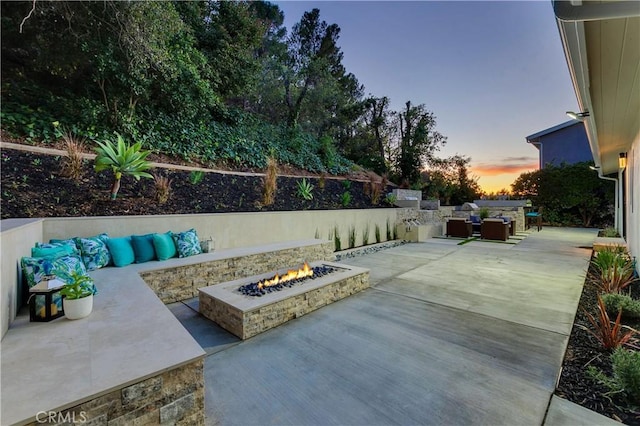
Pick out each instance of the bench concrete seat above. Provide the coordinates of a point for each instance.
(125, 345)
(130, 360)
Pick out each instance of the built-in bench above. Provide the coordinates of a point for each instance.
(130, 360)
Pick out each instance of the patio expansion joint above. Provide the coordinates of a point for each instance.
(467, 310)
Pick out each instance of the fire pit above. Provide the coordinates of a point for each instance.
(279, 282)
(249, 306)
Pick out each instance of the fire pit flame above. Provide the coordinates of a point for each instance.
(290, 278)
(292, 274)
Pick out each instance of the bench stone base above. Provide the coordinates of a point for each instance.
(246, 316)
(174, 397)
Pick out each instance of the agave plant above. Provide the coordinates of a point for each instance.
(123, 159)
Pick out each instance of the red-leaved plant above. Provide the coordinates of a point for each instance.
(609, 334)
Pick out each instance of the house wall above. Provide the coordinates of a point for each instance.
(632, 196)
(569, 145)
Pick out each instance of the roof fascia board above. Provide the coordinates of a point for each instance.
(574, 45)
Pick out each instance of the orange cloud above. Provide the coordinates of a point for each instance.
(509, 165)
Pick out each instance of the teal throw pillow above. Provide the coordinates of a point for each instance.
(143, 248)
(121, 251)
(34, 269)
(164, 246)
(52, 250)
(187, 243)
(94, 251)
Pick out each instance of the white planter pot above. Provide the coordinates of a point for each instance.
(77, 308)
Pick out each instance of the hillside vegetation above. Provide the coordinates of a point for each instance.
(216, 82)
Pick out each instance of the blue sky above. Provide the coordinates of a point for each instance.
(491, 72)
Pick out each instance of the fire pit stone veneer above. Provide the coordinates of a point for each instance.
(246, 316)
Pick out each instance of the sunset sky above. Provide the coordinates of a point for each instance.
(491, 72)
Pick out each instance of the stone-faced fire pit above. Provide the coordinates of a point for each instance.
(247, 315)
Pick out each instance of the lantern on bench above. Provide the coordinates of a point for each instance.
(45, 300)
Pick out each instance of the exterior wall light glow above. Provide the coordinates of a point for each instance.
(580, 116)
(622, 160)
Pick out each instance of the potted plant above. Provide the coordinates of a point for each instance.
(77, 295)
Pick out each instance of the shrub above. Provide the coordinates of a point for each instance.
(610, 232)
(389, 230)
(305, 189)
(346, 184)
(72, 165)
(615, 303)
(377, 233)
(270, 182)
(352, 236)
(483, 212)
(336, 239)
(615, 268)
(196, 176)
(374, 189)
(162, 187)
(365, 235)
(345, 199)
(626, 374)
(390, 199)
(610, 337)
(322, 180)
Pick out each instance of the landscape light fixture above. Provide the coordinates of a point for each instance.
(580, 116)
(622, 160)
(595, 168)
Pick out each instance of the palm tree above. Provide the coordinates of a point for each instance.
(123, 159)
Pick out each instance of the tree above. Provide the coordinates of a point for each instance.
(418, 141)
(448, 180)
(571, 194)
(312, 70)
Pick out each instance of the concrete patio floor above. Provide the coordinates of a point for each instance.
(447, 334)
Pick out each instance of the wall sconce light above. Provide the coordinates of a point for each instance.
(622, 160)
(580, 116)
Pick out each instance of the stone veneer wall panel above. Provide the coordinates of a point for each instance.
(274, 314)
(182, 282)
(174, 397)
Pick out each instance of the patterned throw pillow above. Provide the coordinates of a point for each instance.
(187, 243)
(36, 268)
(71, 242)
(94, 251)
(53, 250)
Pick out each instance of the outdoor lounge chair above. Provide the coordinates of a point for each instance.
(459, 227)
(475, 223)
(494, 229)
(512, 224)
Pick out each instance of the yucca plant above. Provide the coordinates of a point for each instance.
(123, 159)
(305, 189)
(608, 333)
